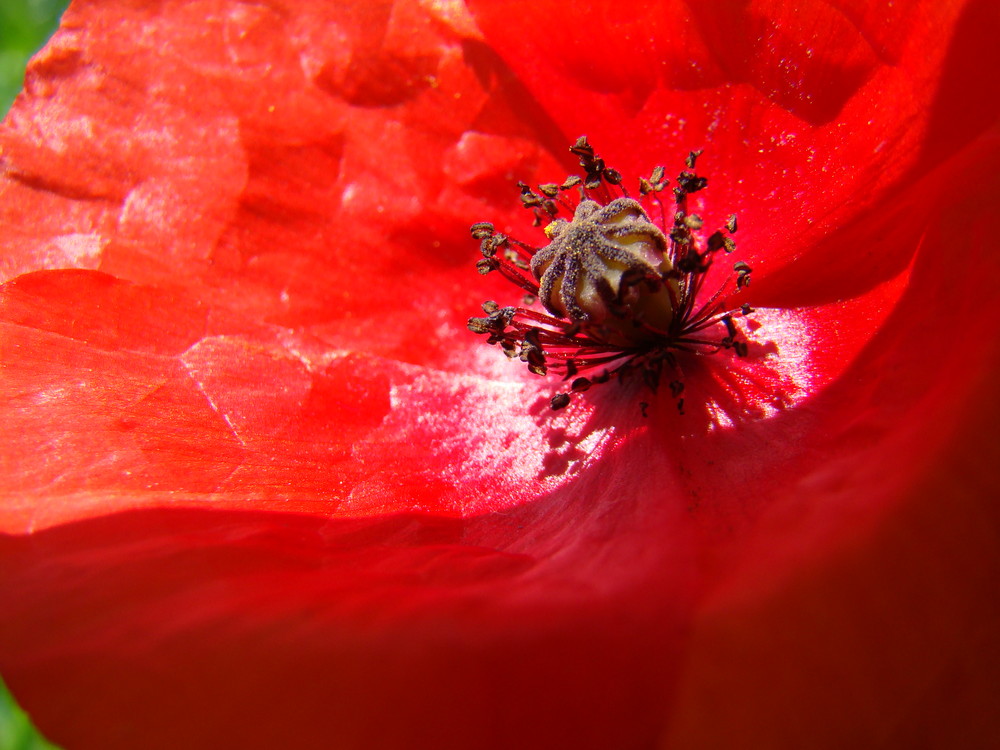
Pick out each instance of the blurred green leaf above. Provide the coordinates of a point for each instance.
(16, 731)
(24, 27)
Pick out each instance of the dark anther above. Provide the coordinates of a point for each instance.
(582, 148)
(692, 158)
(531, 338)
(559, 401)
(689, 182)
(746, 309)
(536, 363)
(594, 166)
(549, 189)
(742, 274)
(481, 230)
(497, 322)
(571, 182)
(693, 221)
(485, 265)
(681, 235)
(491, 244)
(654, 184)
(581, 384)
(731, 223)
(676, 388)
(531, 352)
(479, 325)
(529, 198)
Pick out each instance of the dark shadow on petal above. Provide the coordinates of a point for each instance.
(512, 105)
(968, 100)
(146, 628)
(380, 79)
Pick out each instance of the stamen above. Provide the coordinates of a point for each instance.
(621, 291)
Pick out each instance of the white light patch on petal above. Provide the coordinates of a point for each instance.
(75, 251)
(455, 14)
(323, 50)
(483, 446)
(794, 354)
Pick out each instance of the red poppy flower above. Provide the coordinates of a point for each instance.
(263, 488)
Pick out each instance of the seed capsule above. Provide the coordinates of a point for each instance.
(608, 261)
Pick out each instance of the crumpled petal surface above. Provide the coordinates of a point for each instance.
(264, 489)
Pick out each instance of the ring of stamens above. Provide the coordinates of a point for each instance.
(621, 293)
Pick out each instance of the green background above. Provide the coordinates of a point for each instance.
(24, 27)
(16, 731)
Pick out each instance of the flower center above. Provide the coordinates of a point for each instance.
(621, 291)
(607, 265)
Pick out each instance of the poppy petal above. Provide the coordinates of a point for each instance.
(265, 490)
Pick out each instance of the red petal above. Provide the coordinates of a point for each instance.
(811, 115)
(262, 492)
(873, 614)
